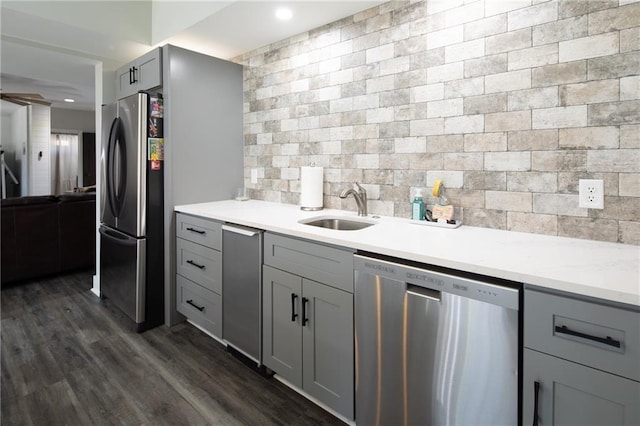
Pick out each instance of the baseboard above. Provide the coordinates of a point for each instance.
(96, 286)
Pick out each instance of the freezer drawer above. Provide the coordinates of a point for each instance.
(122, 272)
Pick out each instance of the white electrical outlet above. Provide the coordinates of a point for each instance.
(591, 193)
(254, 175)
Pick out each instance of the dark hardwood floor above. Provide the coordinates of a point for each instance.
(69, 358)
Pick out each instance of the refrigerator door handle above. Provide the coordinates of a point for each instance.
(116, 167)
(109, 169)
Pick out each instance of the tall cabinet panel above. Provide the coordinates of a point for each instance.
(203, 140)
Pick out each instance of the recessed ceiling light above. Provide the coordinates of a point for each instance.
(284, 14)
(69, 100)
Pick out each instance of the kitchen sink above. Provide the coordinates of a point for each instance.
(339, 223)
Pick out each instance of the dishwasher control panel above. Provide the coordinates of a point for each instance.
(495, 294)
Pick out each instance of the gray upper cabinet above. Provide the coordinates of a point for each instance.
(581, 362)
(142, 74)
(308, 324)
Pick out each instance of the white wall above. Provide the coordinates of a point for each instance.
(108, 87)
(39, 142)
(19, 133)
(10, 144)
(70, 119)
(14, 138)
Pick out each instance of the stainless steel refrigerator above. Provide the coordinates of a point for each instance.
(131, 228)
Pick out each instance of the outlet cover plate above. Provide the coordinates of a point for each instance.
(591, 193)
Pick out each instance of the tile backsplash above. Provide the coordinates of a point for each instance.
(509, 102)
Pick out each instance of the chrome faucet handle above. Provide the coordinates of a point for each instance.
(360, 196)
(361, 190)
(361, 199)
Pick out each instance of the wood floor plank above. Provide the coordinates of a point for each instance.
(68, 357)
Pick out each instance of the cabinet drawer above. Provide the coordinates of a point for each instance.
(595, 335)
(328, 265)
(200, 231)
(200, 264)
(201, 306)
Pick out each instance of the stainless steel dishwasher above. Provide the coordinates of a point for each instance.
(242, 290)
(433, 348)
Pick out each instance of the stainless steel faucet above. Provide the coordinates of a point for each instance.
(360, 195)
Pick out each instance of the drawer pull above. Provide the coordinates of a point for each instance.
(191, 262)
(200, 308)
(605, 340)
(197, 231)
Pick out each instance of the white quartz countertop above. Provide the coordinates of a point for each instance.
(602, 270)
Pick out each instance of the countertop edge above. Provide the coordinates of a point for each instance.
(554, 279)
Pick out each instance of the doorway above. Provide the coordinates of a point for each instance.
(64, 158)
(73, 161)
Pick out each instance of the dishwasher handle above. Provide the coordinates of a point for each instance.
(426, 293)
(247, 232)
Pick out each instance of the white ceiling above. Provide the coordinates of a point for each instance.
(51, 47)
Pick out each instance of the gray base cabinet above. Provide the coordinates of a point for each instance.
(581, 362)
(327, 345)
(201, 306)
(308, 325)
(572, 394)
(282, 329)
(199, 271)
